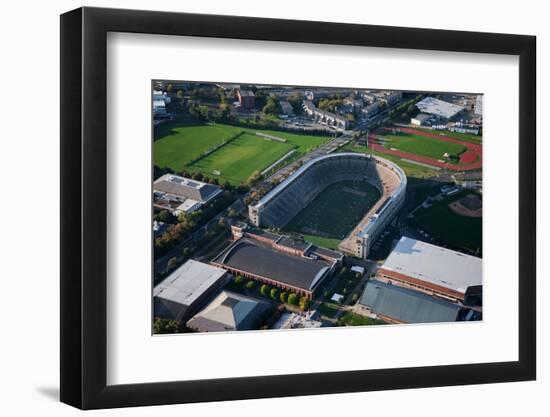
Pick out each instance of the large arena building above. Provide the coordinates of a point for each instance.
(286, 200)
(432, 270)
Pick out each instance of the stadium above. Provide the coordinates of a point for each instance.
(294, 197)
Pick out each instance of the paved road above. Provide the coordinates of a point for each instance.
(177, 251)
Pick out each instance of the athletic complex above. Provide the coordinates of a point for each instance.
(353, 171)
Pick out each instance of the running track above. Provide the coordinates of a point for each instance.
(469, 160)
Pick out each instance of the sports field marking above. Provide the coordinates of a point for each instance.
(176, 146)
(239, 159)
(423, 145)
(335, 212)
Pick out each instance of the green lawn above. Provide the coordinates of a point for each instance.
(176, 145)
(237, 160)
(466, 137)
(336, 210)
(325, 242)
(421, 145)
(352, 319)
(457, 231)
(410, 169)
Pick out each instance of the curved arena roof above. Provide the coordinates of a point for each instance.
(287, 182)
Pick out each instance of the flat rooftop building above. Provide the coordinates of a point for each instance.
(431, 269)
(179, 194)
(228, 312)
(274, 266)
(395, 304)
(439, 108)
(186, 289)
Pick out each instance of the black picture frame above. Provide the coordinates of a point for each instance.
(84, 207)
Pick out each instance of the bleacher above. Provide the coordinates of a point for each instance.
(304, 185)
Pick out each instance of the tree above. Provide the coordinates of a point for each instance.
(165, 216)
(274, 293)
(254, 178)
(354, 298)
(232, 213)
(283, 297)
(164, 326)
(186, 251)
(226, 186)
(264, 290)
(304, 303)
(292, 299)
(180, 94)
(172, 263)
(249, 285)
(271, 106)
(197, 176)
(238, 279)
(221, 224)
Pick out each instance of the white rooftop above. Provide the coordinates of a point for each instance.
(434, 264)
(188, 282)
(438, 107)
(176, 179)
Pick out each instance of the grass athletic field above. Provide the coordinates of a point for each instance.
(410, 169)
(453, 229)
(467, 137)
(176, 146)
(422, 145)
(237, 160)
(335, 211)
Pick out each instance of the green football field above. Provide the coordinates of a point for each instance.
(176, 146)
(336, 210)
(445, 225)
(422, 145)
(238, 159)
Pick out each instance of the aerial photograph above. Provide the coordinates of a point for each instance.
(280, 207)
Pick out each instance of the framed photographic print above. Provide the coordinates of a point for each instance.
(258, 208)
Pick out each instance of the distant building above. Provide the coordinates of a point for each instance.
(354, 103)
(420, 120)
(439, 108)
(478, 107)
(332, 120)
(160, 100)
(246, 99)
(286, 108)
(394, 304)
(161, 95)
(370, 110)
(431, 269)
(229, 311)
(182, 195)
(187, 289)
(159, 107)
(393, 97)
